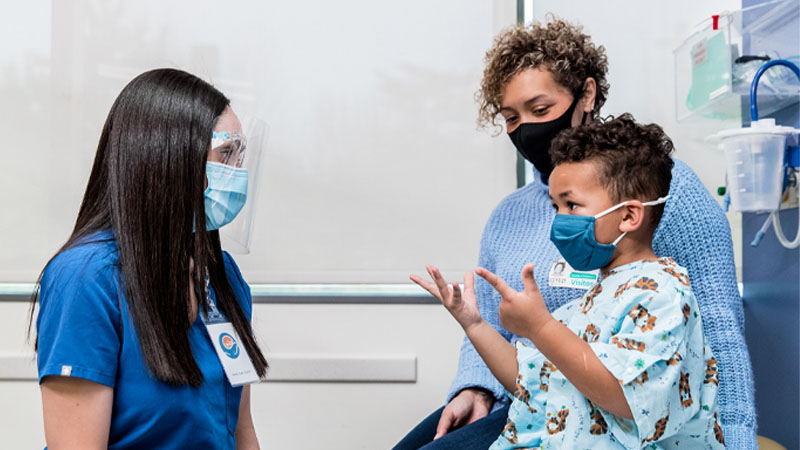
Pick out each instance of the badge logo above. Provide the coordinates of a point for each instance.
(229, 345)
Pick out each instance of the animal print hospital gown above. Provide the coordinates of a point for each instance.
(643, 322)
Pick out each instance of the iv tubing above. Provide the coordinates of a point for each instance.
(776, 220)
(754, 84)
(762, 231)
(776, 224)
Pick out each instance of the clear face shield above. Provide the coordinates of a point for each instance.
(233, 174)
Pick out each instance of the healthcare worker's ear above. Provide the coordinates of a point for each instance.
(632, 216)
(586, 105)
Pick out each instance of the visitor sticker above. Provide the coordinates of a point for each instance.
(563, 275)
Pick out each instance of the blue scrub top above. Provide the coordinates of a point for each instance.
(85, 331)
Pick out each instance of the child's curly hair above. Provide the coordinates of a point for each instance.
(558, 46)
(633, 160)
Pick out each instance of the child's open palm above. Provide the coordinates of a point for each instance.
(462, 306)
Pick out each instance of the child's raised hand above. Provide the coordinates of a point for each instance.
(462, 306)
(522, 313)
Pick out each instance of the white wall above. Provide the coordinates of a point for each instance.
(21, 423)
(370, 108)
(354, 415)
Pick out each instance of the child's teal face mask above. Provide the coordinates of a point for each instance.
(225, 195)
(573, 236)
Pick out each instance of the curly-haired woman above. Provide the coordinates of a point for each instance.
(540, 80)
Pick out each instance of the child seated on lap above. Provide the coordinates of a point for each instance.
(626, 365)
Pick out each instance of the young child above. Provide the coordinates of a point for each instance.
(626, 365)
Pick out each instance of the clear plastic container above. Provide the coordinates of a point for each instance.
(754, 158)
(755, 169)
(715, 65)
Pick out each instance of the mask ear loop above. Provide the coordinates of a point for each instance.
(613, 208)
(578, 98)
(653, 203)
(659, 201)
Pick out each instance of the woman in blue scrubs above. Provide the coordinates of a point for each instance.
(127, 352)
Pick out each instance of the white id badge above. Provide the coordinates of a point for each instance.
(232, 354)
(563, 275)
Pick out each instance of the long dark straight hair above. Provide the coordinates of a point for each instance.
(146, 186)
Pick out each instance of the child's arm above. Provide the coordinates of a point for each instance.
(498, 354)
(525, 314)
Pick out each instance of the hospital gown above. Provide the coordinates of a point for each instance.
(642, 321)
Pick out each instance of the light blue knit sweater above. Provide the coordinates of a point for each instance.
(693, 231)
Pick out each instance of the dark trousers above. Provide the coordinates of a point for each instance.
(478, 435)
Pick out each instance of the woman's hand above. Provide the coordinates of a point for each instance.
(522, 313)
(463, 307)
(467, 406)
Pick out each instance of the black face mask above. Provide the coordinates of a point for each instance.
(532, 140)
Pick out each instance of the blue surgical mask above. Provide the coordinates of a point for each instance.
(574, 238)
(225, 195)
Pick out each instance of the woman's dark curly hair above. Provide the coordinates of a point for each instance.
(633, 161)
(558, 46)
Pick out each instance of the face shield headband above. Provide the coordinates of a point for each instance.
(228, 147)
(234, 163)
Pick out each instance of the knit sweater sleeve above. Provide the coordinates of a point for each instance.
(472, 371)
(695, 232)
